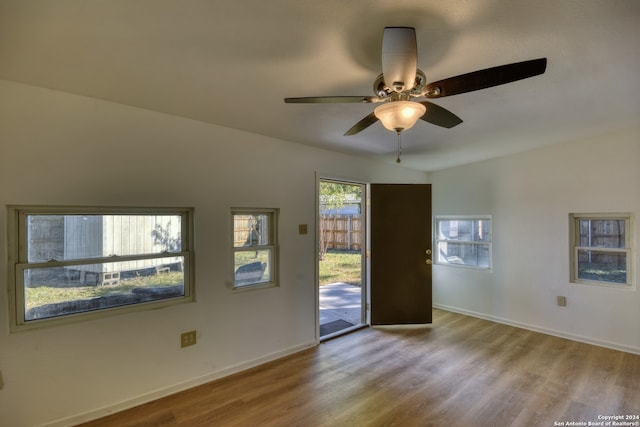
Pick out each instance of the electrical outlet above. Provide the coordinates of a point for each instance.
(187, 339)
(562, 301)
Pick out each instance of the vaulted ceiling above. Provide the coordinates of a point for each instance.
(231, 63)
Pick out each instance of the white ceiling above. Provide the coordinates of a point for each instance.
(231, 63)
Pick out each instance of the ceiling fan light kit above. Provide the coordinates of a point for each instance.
(399, 115)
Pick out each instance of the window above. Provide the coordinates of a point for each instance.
(601, 249)
(254, 247)
(463, 241)
(72, 262)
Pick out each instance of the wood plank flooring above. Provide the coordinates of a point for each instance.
(461, 371)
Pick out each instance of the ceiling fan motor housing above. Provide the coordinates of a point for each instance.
(399, 58)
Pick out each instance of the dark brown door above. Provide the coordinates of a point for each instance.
(400, 254)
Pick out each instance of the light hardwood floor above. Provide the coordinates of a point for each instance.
(461, 371)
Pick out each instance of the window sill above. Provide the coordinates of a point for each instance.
(465, 267)
(245, 288)
(623, 287)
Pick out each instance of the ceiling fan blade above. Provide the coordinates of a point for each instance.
(439, 116)
(483, 79)
(399, 57)
(333, 99)
(362, 124)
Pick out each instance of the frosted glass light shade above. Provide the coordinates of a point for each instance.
(399, 115)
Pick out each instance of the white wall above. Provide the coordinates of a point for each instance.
(63, 149)
(530, 196)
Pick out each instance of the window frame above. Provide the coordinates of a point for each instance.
(272, 214)
(575, 247)
(437, 240)
(17, 251)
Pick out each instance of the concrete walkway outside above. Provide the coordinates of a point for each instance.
(340, 301)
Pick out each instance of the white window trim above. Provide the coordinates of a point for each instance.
(273, 247)
(17, 262)
(628, 249)
(489, 244)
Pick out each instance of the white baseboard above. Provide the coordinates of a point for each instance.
(176, 388)
(535, 328)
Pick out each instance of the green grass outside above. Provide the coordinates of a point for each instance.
(338, 266)
(246, 257)
(36, 296)
(341, 266)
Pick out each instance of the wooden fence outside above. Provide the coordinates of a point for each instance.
(250, 230)
(602, 233)
(342, 232)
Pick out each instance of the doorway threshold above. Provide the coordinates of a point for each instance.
(344, 331)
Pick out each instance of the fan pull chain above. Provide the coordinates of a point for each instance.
(399, 149)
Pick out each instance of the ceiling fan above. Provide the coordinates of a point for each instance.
(401, 86)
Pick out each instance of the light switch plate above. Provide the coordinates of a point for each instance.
(302, 228)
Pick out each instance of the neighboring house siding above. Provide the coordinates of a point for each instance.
(103, 236)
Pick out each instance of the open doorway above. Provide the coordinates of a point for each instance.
(342, 289)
